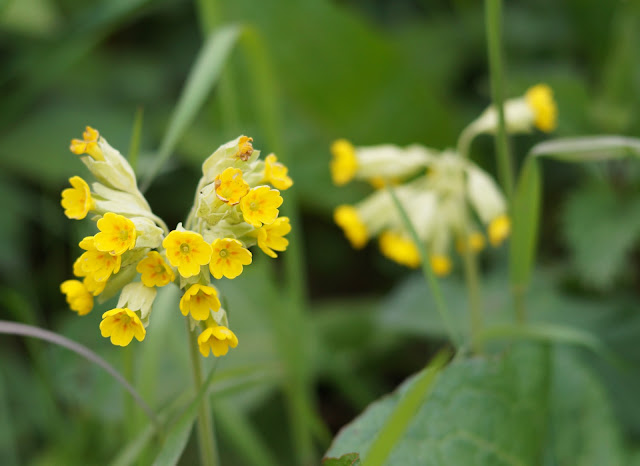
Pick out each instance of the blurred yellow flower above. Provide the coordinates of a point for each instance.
(347, 218)
(499, 229)
(540, 100)
(199, 301)
(441, 265)
(78, 297)
(400, 249)
(122, 325)
(275, 173)
(217, 340)
(344, 163)
(77, 201)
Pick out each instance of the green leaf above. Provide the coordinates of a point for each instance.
(588, 148)
(202, 77)
(350, 459)
(525, 212)
(473, 416)
(600, 229)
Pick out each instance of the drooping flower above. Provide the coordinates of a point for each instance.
(78, 297)
(441, 265)
(272, 237)
(77, 200)
(276, 173)
(99, 264)
(216, 340)
(347, 218)
(499, 230)
(260, 206)
(228, 257)
(88, 144)
(540, 100)
(122, 325)
(230, 187)
(93, 286)
(400, 249)
(154, 270)
(199, 301)
(187, 251)
(344, 163)
(117, 234)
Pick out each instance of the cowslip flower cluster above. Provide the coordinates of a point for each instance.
(448, 198)
(134, 253)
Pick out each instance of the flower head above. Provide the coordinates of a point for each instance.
(344, 163)
(261, 206)
(77, 201)
(187, 251)
(88, 144)
(217, 340)
(276, 173)
(78, 297)
(99, 264)
(117, 234)
(540, 100)
(154, 270)
(347, 218)
(199, 301)
(228, 257)
(230, 187)
(440, 264)
(271, 237)
(122, 325)
(400, 249)
(499, 230)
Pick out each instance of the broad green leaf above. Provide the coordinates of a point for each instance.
(201, 79)
(601, 229)
(482, 411)
(525, 214)
(584, 431)
(349, 459)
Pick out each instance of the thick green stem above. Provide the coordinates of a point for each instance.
(206, 436)
(493, 11)
(472, 279)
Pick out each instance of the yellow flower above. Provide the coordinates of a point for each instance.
(228, 257)
(540, 100)
(230, 187)
(261, 206)
(245, 149)
(271, 237)
(347, 218)
(199, 300)
(77, 201)
(154, 270)
(88, 144)
(475, 241)
(344, 163)
(276, 173)
(499, 229)
(441, 265)
(94, 287)
(217, 339)
(78, 297)
(400, 249)
(122, 325)
(187, 251)
(99, 264)
(117, 234)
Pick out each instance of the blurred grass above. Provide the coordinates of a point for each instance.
(373, 72)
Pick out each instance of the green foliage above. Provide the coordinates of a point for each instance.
(349, 459)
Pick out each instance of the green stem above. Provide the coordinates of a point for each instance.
(493, 11)
(518, 300)
(206, 437)
(472, 279)
(429, 276)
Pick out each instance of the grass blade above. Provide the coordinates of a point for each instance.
(399, 420)
(588, 148)
(14, 328)
(202, 77)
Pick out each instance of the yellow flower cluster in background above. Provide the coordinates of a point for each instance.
(133, 252)
(447, 197)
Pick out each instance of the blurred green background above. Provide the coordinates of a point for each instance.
(383, 71)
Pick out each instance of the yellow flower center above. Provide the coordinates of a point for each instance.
(185, 248)
(159, 268)
(224, 253)
(124, 235)
(253, 205)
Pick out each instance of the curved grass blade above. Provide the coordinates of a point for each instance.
(588, 148)
(399, 420)
(13, 328)
(202, 77)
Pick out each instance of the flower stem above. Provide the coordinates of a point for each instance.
(206, 437)
(493, 12)
(472, 280)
